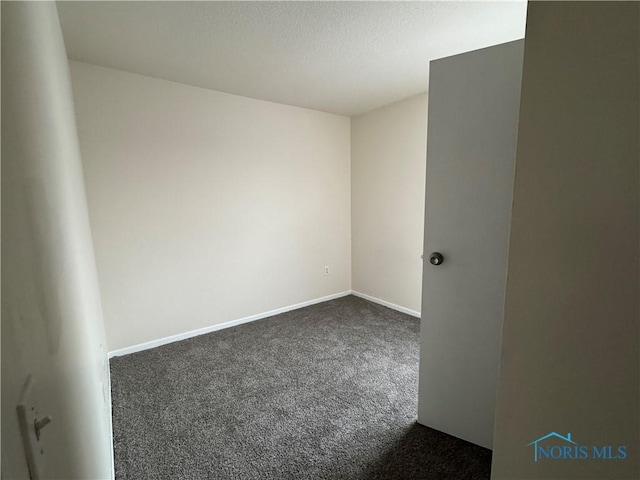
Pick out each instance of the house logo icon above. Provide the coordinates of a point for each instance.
(554, 446)
(566, 439)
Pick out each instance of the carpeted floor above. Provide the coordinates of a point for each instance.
(324, 392)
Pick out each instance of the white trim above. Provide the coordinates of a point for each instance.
(393, 306)
(219, 326)
(113, 456)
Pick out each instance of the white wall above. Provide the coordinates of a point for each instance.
(208, 207)
(388, 158)
(570, 340)
(51, 312)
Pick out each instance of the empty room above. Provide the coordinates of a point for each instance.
(320, 240)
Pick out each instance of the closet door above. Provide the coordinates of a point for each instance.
(474, 101)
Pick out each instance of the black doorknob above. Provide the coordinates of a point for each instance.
(436, 258)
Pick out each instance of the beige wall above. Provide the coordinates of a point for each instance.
(388, 158)
(570, 342)
(208, 207)
(51, 314)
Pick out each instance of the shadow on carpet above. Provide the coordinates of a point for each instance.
(324, 392)
(424, 453)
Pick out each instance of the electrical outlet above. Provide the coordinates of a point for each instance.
(326, 269)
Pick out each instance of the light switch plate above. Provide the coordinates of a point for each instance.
(27, 417)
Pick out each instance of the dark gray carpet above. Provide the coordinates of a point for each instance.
(324, 392)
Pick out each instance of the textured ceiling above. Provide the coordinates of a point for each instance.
(340, 57)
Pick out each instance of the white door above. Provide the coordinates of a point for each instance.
(474, 101)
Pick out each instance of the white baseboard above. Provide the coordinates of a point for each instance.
(113, 457)
(393, 306)
(220, 326)
(232, 323)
